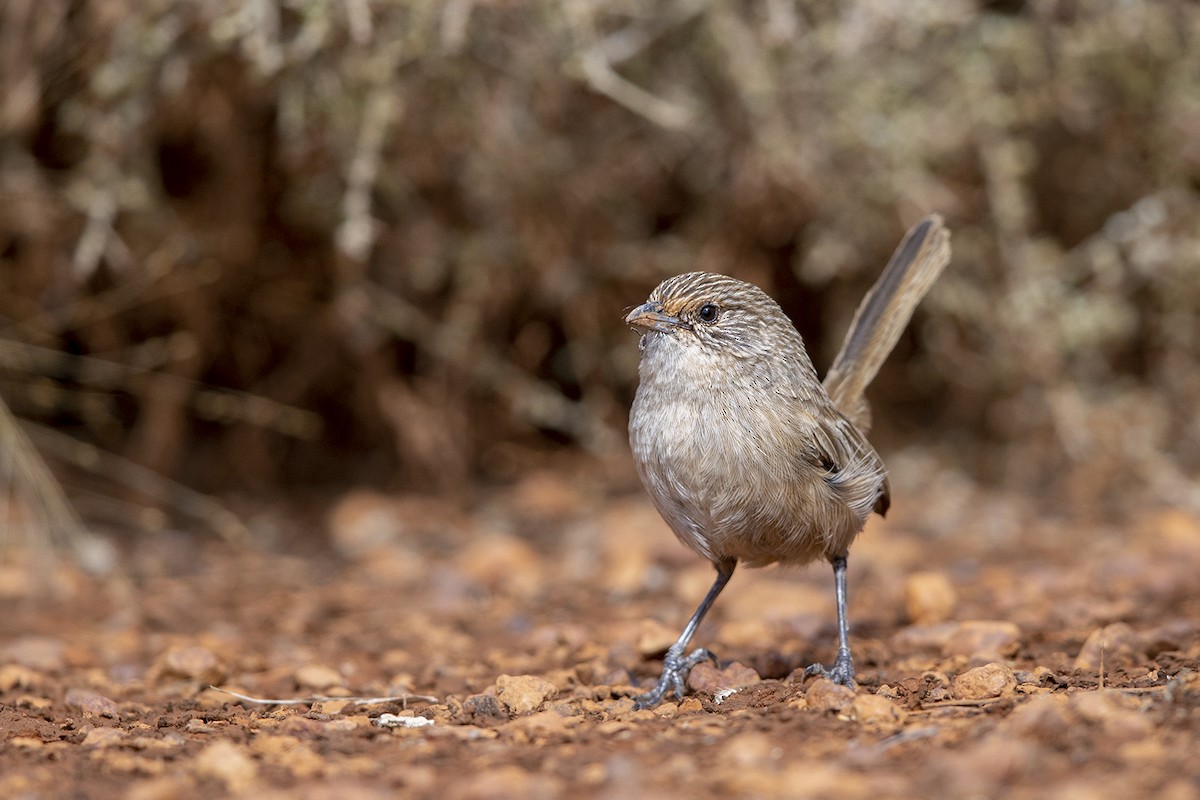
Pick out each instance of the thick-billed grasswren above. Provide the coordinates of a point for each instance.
(745, 453)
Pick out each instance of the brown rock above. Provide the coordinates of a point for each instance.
(825, 695)
(929, 597)
(990, 680)
(977, 639)
(92, 704)
(484, 709)
(331, 707)
(924, 638)
(654, 638)
(168, 787)
(1044, 717)
(1176, 527)
(1173, 634)
(167, 743)
(705, 677)
(13, 676)
(985, 768)
(771, 598)
(542, 726)
(499, 559)
(749, 633)
(318, 677)
(546, 494)
(363, 521)
(33, 703)
(105, 737)
(501, 782)
(1119, 715)
(198, 725)
(209, 699)
(810, 777)
(521, 694)
(872, 709)
(751, 750)
(195, 663)
(1115, 645)
(26, 741)
(982, 639)
(304, 727)
(288, 752)
(627, 532)
(41, 653)
(228, 763)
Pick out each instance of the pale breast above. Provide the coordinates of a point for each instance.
(724, 464)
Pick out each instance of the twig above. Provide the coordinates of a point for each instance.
(40, 501)
(159, 278)
(101, 211)
(537, 401)
(605, 80)
(186, 500)
(218, 405)
(456, 15)
(359, 23)
(596, 62)
(358, 230)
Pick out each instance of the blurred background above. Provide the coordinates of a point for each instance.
(256, 252)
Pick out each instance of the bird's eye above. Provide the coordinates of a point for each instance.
(708, 313)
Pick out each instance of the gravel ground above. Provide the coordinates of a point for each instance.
(494, 653)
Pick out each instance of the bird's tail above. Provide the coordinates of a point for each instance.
(883, 315)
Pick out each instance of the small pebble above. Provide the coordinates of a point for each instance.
(825, 695)
(982, 639)
(228, 763)
(929, 597)
(654, 638)
(318, 676)
(363, 521)
(873, 709)
(396, 721)
(41, 653)
(92, 704)
(980, 683)
(1115, 645)
(521, 694)
(196, 663)
(705, 677)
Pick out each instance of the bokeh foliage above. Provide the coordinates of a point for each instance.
(420, 223)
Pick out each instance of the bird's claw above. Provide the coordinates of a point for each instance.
(842, 671)
(674, 676)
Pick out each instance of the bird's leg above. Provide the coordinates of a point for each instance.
(843, 667)
(676, 665)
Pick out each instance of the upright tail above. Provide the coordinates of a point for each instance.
(883, 315)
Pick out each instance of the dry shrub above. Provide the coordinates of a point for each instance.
(422, 222)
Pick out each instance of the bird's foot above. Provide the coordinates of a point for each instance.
(842, 671)
(676, 667)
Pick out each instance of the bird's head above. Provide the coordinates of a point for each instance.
(710, 311)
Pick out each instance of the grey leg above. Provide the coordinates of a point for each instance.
(676, 666)
(843, 666)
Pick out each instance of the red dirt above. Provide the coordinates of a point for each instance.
(1056, 659)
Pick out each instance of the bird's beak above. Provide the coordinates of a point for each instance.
(650, 317)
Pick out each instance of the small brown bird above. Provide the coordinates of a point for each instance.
(747, 456)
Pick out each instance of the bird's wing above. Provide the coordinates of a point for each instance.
(851, 467)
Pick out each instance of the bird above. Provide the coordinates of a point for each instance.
(747, 455)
